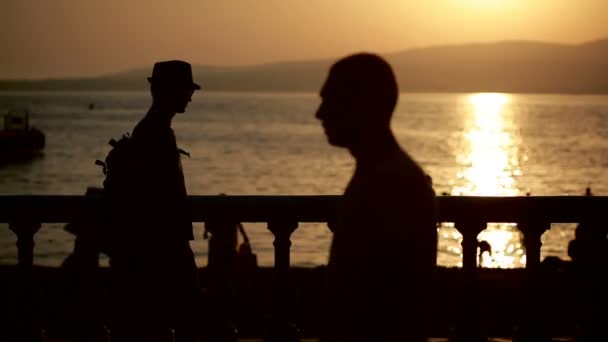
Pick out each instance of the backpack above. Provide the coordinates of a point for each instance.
(118, 165)
(119, 169)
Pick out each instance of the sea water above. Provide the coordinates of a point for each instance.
(271, 144)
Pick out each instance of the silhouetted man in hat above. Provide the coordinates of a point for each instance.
(384, 243)
(155, 281)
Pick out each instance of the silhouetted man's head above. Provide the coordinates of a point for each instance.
(172, 85)
(358, 98)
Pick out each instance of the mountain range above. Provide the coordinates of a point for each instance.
(508, 66)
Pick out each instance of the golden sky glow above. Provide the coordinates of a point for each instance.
(85, 37)
(488, 4)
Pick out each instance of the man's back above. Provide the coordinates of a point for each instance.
(157, 192)
(384, 249)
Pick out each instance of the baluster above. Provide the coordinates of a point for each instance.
(469, 328)
(25, 232)
(532, 327)
(281, 329)
(27, 325)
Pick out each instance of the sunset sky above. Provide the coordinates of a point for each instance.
(60, 38)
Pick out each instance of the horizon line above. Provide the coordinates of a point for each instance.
(316, 59)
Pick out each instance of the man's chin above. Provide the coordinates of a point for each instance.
(335, 142)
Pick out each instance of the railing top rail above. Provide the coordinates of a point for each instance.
(554, 209)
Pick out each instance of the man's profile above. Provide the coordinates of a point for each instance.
(384, 245)
(155, 288)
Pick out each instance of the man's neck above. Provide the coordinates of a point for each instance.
(376, 149)
(160, 115)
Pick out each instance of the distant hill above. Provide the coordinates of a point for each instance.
(510, 66)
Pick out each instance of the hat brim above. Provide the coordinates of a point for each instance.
(193, 86)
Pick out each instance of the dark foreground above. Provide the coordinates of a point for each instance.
(500, 302)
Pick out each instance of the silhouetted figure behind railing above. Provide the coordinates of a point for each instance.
(484, 247)
(384, 247)
(155, 286)
(82, 269)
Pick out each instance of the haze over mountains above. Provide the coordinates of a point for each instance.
(510, 66)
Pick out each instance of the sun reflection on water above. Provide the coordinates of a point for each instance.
(490, 161)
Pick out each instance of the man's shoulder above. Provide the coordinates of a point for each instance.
(402, 170)
(151, 138)
(149, 128)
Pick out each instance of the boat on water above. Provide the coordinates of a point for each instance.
(19, 140)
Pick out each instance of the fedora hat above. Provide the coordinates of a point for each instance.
(173, 73)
